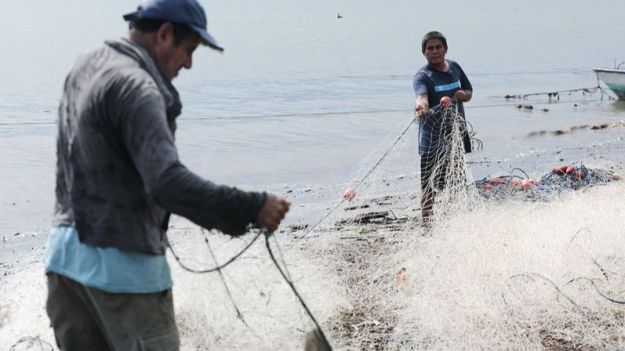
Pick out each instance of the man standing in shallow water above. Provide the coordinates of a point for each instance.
(440, 77)
(118, 180)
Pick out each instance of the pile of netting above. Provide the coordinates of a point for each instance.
(488, 275)
(559, 180)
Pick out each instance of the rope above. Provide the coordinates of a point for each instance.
(326, 344)
(556, 94)
(218, 267)
(30, 342)
(376, 165)
(599, 291)
(223, 280)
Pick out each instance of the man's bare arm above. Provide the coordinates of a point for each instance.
(421, 106)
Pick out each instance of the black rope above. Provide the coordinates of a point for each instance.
(373, 168)
(31, 341)
(223, 280)
(299, 297)
(599, 291)
(218, 267)
(522, 171)
(532, 275)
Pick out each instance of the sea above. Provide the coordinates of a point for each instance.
(308, 94)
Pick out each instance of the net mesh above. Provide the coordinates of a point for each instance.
(448, 178)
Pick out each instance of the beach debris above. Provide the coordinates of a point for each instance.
(536, 132)
(350, 193)
(351, 208)
(563, 131)
(371, 217)
(297, 227)
(600, 126)
(366, 325)
(375, 217)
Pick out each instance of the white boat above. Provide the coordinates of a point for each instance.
(614, 78)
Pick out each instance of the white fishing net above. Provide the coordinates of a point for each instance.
(490, 273)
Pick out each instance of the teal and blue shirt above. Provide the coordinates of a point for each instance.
(106, 268)
(436, 84)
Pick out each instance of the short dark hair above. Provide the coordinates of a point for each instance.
(148, 25)
(432, 35)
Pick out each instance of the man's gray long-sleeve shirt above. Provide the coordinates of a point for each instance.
(118, 172)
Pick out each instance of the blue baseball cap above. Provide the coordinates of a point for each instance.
(187, 12)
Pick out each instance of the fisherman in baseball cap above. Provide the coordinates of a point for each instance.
(119, 178)
(187, 12)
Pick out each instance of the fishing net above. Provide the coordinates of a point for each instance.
(448, 137)
(549, 187)
(492, 272)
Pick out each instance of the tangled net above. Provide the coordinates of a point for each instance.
(551, 185)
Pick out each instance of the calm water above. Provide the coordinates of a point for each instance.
(301, 97)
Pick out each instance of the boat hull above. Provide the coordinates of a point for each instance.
(613, 79)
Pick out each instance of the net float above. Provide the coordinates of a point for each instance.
(445, 101)
(528, 183)
(349, 194)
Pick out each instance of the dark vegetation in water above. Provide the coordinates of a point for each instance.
(572, 129)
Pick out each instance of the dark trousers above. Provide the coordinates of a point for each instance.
(433, 169)
(86, 318)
